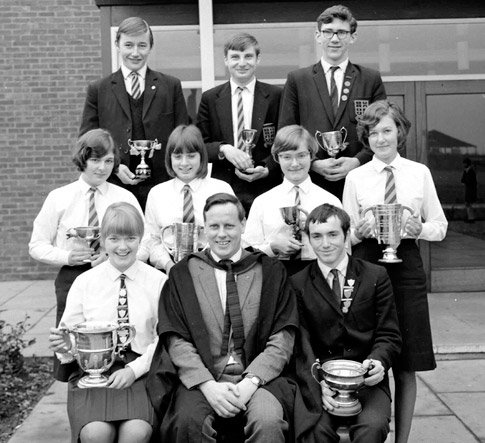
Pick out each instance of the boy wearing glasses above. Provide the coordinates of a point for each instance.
(330, 95)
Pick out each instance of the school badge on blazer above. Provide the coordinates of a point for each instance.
(359, 107)
(347, 295)
(269, 132)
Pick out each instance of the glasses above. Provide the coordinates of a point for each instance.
(287, 158)
(328, 34)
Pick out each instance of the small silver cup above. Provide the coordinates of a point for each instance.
(185, 239)
(94, 348)
(388, 228)
(332, 142)
(89, 234)
(142, 147)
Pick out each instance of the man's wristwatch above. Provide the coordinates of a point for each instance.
(254, 379)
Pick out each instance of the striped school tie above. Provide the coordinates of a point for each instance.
(93, 217)
(135, 85)
(188, 212)
(390, 192)
(123, 317)
(334, 90)
(297, 195)
(240, 118)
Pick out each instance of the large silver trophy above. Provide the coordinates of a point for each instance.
(94, 347)
(292, 216)
(89, 234)
(182, 239)
(388, 228)
(346, 377)
(141, 147)
(332, 142)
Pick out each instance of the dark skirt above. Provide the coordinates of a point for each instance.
(106, 404)
(409, 285)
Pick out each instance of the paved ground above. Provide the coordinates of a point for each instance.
(451, 399)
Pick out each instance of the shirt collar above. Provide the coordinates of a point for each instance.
(304, 186)
(326, 66)
(380, 165)
(126, 72)
(342, 267)
(179, 184)
(102, 188)
(250, 86)
(236, 257)
(114, 273)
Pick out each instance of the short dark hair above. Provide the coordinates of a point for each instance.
(186, 138)
(290, 138)
(95, 143)
(241, 42)
(134, 26)
(323, 212)
(373, 115)
(122, 218)
(223, 198)
(337, 11)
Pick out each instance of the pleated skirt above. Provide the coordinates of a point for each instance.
(409, 285)
(108, 405)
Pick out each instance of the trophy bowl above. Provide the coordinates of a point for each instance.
(346, 377)
(142, 147)
(94, 347)
(89, 234)
(332, 142)
(291, 217)
(182, 239)
(388, 219)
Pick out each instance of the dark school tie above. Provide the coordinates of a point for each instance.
(135, 85)
(240, 118)
(123, 317)
(334, 90)
(390, 192)
(93, 216)
(233, 314)
(188, 212)
(336, 285)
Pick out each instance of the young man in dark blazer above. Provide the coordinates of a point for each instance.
(307, 97)
(148, 111)
(218, 121)
(354, 318)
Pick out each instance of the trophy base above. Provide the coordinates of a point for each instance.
(347, 410)
(92, 382)
(390, 256)
(143, 173)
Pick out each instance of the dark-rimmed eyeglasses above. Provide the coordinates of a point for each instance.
(329, 33)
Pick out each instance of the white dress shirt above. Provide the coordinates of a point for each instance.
(66, 208)
(165, 206)
(248, 101)
(339, 75)
(265, 220)
(142, 72)
(365, 187)
(94, 297)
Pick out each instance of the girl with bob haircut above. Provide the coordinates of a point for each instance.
(54, 240)
(186, 160)
(121, 411)
(294, 149)
(384, 129)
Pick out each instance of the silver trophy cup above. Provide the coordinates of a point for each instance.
(332, 142)
(346, 377)
(182, 239)
(388, 228)
(142, 147)
(89, 234)
(248, 139)
(94, 348)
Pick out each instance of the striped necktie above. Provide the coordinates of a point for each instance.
(334, 90)
(188, 213)
(233, 316)
(336, 285)
(93, 216)
(135, 85)
(240, 118)
(297, 195)
(390, 192)
(123, 317)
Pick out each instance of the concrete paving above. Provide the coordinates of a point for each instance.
(451, 400)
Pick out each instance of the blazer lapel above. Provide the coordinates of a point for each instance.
(207, 281)
(119, 91)
(349, 80)
(321, 286)
(244, 283)
(224, 113)
(321, 85)
(260, 108)
(151, 84)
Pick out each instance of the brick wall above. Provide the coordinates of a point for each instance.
(51, 50)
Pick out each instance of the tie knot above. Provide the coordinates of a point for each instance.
(122, 277)
(388, 169)
(226, 264)
(333, 69)
(240, 89)
(93, 190)
(187, 188)
(334, 272)
(134, 74)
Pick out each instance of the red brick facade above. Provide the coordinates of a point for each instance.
(51, 50)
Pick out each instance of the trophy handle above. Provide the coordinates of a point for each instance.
(131, 335)
(319, 367)
(370, 208)
(130, 143)
(72, 338)
(411, 211)
(343, 131)
(168, 247)
(201, 240)
(317, 135)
